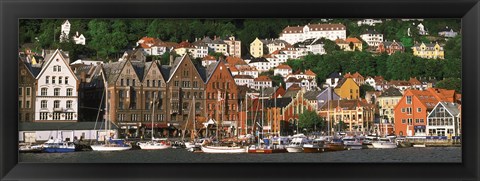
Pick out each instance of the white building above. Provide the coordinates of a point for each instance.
(276, 58)
(43, 131)
(57, 95)
(282, 70)
(244, 80)
(217, 45)
(333, 79)
(370, 81)
(262, 82)
(292, 34)
(261, 64)
(244, 70)
(234, 47)
(79, 39)
(369, 22)
(65, 31)
(372, 37)
(444, 120)
(201, 49)
(312, 45)
(152, 46)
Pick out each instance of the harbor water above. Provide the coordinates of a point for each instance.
(405, 155)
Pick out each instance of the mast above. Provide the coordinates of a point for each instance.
(153, 110)
(262, 111)
(246, 113)
(328, 112)
(106, 109)
(274, 108)
(192, 135)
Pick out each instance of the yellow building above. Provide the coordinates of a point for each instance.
(387, 102)
(256, 48)
(429, 51)
(348, 89)
(345, 44)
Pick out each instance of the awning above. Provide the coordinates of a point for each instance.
(156, 125)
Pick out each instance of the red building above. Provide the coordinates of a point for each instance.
(412, 109)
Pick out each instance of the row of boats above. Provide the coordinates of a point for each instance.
(295, 144)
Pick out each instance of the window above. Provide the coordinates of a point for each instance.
(56, 104)
(59, 68)
(410, 121)
(419, 109)
(20, 91)
(20, 104)
(403, 121)
(69, 116)
(176, 83)
(28, 91)
(27, 104)
(69, 104)
(148, 83)
(66, 80)
(69, 92)
(55, 68)
(409, 110)
(133, 82)
(46, 79)
(53, 79)
(43, 116)
(43, 91)
(59, 80)
(128, 82)
(409, 99)
(43, 104)
(121, 82)
(56, 92)
(56, 116)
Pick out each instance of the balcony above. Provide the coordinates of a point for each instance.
(60, 109)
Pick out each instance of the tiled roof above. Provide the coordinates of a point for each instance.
(389, 43)
(235, 61)
(357, 75)
(113, 70)
(292, 29)
(391, 92)
(399, 83)
(414, 81)
(185, 44)
(262, 78)
(283, 66)
(209, 57)
(278, 102)
(242, 77)
(348, 40)
(311, 95)
(293, 79)
(310, 72)
(325, 27)
(334, 75)
(139, 68)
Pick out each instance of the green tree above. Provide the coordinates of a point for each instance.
(450, 84)
(364, 89)
(310, 121)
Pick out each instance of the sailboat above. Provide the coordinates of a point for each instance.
(154, 143)
(110, 144)
(384, 142)
(223, 149)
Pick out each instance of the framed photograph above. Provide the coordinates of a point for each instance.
(284, 90)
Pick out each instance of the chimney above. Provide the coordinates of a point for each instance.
(171, 60)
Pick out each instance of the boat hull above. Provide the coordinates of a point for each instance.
(312, 150)
(58, 150)
(294, 149)
(266, 151)
(207, 149)
(109, 148)
(335, 147)
(383, 145)
(153, 147)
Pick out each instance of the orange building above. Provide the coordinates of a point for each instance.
(412, 109)
(222, 96)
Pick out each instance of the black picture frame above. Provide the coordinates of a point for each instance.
(11, 11)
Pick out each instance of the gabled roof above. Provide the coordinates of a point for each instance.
(311, 95)
(259, 59)
(139, 68)
(334, 75)
(112, 70)
(389, 43)
(279, 102)
(341, 82)
(34, 71)
(211, 69)
(235, 61)
(414, 81)
(185, 44)
(242, 77)
(262, 78)
(64, 58)
(310, 72)
(293, 79)
(391, 92)
(283, 66)
(399, 83)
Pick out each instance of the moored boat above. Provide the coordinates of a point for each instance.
(57, 146)
(403, 143)
(296, 145)
(223, 149)
(352, 143)
(154, 144)
(335, 145)
(112, 145)
(316, 146)
(28, 148)
(384, 143)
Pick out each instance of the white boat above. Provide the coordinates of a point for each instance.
(352, 143)
(296, 145)
(155, 144)
(112, 145)
(384, 143)
(57, 146)
(223, 149)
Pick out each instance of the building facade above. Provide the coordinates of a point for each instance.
(429, 51)
(292, 34)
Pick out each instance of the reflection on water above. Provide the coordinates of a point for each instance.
(429, 154)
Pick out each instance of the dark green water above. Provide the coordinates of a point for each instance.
(418, 155)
